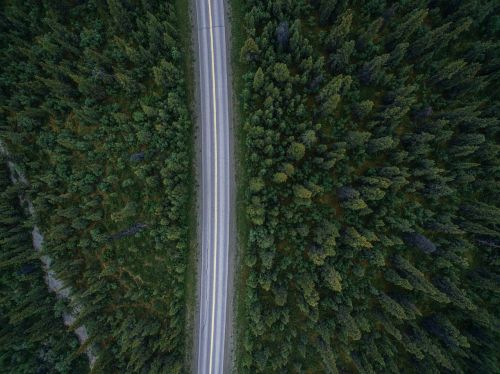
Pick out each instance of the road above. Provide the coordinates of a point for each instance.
(216, 180)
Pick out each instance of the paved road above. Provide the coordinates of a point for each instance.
(215, 137)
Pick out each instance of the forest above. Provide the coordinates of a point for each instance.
(94, 111)
(32, 335)
(370, 154)
(368, 186)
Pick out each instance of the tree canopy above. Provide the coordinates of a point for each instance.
(372, 243)
(94, 111)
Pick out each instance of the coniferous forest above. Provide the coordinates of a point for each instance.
(32, 338)
(371, 155)
(94, 112)
(368, 179)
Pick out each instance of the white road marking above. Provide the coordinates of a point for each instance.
(215, 185)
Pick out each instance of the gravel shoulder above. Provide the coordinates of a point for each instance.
(229, 364)
(198, 180)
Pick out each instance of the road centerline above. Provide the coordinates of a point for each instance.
(214, 275)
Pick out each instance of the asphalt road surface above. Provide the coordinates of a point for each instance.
(215, 137)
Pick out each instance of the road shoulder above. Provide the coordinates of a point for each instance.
(189, 43)
(229, 360)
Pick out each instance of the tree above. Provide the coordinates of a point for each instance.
(419, 241)
(301, 192)
(258, 80)
(280, 177)
(296, 151)
(256, 184)
(333, 279)
(281, 73)
(249, 51)
(363, 108)
(282, 35)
